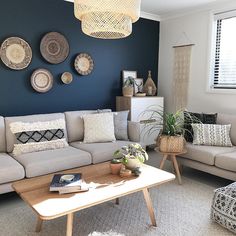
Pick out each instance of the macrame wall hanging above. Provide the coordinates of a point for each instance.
(182, 65)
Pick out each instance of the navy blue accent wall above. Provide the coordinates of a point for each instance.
(31, 19)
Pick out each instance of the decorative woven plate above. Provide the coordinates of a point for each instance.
(66, 77)
(84, 64)
(42, 80)
(16, 53)
(54, 48)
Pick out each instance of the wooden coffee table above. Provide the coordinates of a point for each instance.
(50, 205)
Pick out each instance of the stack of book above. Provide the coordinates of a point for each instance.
(70, 183)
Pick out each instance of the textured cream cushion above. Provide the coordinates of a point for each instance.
(38, 136)
(10, 137)
(212, 135)
(75, 123)
(99, 128)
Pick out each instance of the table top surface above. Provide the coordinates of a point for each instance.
(49, 205)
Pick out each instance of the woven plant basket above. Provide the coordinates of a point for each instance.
(171, 143)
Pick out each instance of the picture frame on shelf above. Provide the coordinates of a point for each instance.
(138, 85)
(127, 73)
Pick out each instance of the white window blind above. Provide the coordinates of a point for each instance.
(225, 51)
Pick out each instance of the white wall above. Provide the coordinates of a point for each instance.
(197, 28)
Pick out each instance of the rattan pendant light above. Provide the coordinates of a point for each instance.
(107, 19)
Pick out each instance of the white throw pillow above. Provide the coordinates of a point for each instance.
(212, 135)
(38, 136)
(99, 128)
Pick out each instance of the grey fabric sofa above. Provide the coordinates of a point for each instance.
(41, 163)
(219, 161)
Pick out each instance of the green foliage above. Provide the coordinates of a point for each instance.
(129, 82)
(132, 151)
(116, 161)
(171, 124)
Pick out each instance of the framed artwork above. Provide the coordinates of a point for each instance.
(138, 85)
(127, 73)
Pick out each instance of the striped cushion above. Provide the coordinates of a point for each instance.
(211, 135)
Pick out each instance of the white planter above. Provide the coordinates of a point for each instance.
(133, 163)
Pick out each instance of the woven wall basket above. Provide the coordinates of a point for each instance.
(171, 143)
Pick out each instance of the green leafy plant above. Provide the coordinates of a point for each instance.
(129, 82)
(171, 124)
(116, 161)
(132, 151)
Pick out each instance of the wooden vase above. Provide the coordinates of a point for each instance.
(150, 84)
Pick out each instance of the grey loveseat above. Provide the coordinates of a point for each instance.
(41, 163)
(220, 161)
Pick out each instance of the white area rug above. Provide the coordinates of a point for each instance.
(180, 210)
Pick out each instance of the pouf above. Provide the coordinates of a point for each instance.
(223, 209)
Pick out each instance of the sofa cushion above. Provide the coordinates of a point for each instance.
(226, 161)
(75, 124)
(2, 135)
(10, 169)
(226, 119)
(205, 154)
(38, 136)
(212, 135)
(100, 152)
(10, 137)
(99, 128)
(46, 162)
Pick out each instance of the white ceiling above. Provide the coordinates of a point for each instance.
(163, 7)
(158, 9)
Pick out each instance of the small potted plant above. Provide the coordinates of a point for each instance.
(171, 137)
(116, 165)
(128, 87)
(132, 155)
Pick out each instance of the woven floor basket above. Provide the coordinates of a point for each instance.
(171, 143)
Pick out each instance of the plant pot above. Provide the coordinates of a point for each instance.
(171, 144)
(128, 91)
(115, 168)
(132, 164)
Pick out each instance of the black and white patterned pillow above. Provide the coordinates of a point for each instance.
(198, 118)
(212, 135)
(38, 136)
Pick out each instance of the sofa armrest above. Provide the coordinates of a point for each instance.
(134, 131)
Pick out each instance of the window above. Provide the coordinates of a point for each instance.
(224, 75)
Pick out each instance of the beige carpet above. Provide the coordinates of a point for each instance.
(180, 210)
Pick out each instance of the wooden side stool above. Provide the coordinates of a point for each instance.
(171, 156)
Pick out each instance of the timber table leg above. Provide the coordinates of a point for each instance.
(39, 225)
(163, 161)
(176, 168)
(149, 206)
(69, 228)
(117, 201)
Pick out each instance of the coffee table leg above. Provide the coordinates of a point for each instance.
(39, 225)
(176, 168)
(69, 229)
(149, 206)
(117, 201)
